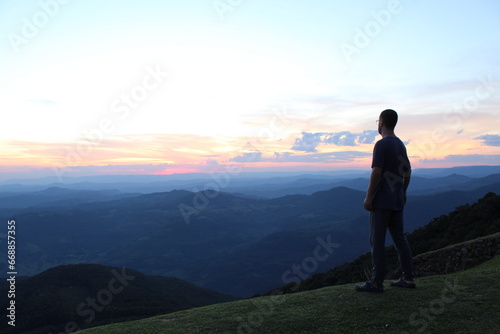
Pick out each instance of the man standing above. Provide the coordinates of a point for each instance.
(385, 199)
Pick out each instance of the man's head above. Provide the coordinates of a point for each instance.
(387, 118)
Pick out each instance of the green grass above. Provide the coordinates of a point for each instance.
(431, 308)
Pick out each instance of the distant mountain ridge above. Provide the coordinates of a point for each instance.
(58, 197)
(254, 184)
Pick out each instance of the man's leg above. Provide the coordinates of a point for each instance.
(378, 228)
(401, 243)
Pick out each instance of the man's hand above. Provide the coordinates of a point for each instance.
(375, 178)
(368, 204)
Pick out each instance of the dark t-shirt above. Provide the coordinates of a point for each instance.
(390, 154)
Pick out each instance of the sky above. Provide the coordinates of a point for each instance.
(164, 87)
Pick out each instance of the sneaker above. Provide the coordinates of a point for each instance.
(401, 283)
(368, 287)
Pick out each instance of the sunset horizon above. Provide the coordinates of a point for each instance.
(162, 88)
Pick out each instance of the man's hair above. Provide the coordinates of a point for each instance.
(390, 118)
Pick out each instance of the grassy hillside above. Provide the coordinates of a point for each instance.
(463, 302)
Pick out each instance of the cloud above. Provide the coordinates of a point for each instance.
(111, 150)
(467, 158)
(310, 141)
(254, 156)
(367, 136)
(212, 162)
(490, 140)
(328, 157)
(66, 174)
(291, 157)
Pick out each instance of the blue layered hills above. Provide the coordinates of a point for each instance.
(236, 243)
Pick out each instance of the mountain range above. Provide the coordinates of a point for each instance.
(239, 243)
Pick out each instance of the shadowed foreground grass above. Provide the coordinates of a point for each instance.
(463, 302)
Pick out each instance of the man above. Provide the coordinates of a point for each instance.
(385, 199)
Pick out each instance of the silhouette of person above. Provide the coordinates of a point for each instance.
(385, 199)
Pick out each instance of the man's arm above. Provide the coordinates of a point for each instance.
(406, 182)
(407, 177)
(375, 177)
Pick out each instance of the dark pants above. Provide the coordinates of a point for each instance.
(380, 221)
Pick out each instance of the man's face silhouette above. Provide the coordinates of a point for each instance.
(379, 123)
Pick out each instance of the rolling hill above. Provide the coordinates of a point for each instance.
(86, 295)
